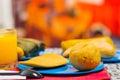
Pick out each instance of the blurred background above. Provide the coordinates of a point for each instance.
(53, 21)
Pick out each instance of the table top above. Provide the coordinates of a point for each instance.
(110, 72)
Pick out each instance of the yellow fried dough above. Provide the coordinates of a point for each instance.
(104, 44)
(85, 56)
(46, 61)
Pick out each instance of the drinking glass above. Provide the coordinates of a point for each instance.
(8, 48)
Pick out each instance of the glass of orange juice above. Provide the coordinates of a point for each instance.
(8, 48)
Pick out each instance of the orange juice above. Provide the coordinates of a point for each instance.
(8, 47)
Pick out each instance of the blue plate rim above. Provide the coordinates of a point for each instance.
(98, 68)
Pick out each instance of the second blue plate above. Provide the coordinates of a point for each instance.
(115, 59)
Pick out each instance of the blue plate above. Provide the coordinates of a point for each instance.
(25, 58)
(63, 70)
(34, 54)
(115, 59)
